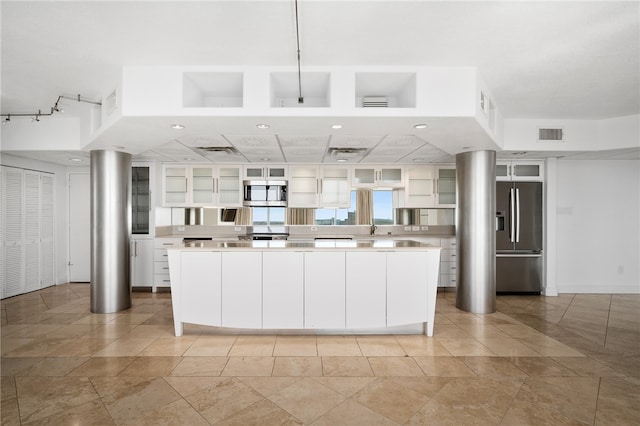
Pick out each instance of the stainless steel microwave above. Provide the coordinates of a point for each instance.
(265, 193)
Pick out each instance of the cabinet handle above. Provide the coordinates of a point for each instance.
(320, 186)
(167, 244)
(135, 249)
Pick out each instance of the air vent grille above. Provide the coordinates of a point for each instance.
(222, 149)
(375, 102)
(347, 152)
(550, 134)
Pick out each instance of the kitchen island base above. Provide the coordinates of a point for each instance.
(313, 288)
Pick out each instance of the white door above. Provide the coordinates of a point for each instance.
(79, 227)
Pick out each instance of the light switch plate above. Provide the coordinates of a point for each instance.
(424, 228)
(415, 228)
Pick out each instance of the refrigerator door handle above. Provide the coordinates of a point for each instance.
(517, 215)
(519, 255)
(512, 223)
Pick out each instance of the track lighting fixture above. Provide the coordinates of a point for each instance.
(55, 108)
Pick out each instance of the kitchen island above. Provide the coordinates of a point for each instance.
(332, 285)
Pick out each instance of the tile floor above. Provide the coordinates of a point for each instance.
(572, 359)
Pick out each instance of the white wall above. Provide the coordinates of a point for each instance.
(61, 214)
(598, 226)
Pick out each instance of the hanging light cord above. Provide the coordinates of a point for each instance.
(54, 108)
(300, 98)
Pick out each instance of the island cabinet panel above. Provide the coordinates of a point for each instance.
(201, 288)
(282, 290)
(324, 286)
(242, 289)
(366, 289)
(407, 288)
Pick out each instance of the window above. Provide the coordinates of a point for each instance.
(383, 207)
(345, 216)
(268, 215)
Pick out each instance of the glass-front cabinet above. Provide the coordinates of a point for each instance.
(140, 200)
(446, 186)
(374, 177)
(201, 186)
(519, 170)
(335, 191)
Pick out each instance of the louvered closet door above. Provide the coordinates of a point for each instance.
(2, 233)
(47, 259)
(13, 232)
(31, 231)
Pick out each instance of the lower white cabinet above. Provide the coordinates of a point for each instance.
(160, 261)
(366, 289)
(324, 286)
(242, 289)
(142, 262)
(407, 289)
(282, 290)
(201, 288)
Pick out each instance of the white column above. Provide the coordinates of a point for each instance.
(550, 284)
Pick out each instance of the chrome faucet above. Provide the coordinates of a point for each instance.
(372, 230)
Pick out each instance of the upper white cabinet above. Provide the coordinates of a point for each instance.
(516, 170)
(201, 186)
(430, 186)
(265, 172)
(318, 186)
(377, 177)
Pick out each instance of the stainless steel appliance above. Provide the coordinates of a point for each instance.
(269, 233)
(518, 237)
(265, 193)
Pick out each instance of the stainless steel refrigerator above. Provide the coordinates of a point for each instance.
(518, 237)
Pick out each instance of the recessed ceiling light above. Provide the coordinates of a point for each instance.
(177, 126)
(188, 159)
(336, 126)
(118, 147)
(75, 159)
(420, 126)
(262, 126)
(417, 160)
(265, 159)
(341, 160)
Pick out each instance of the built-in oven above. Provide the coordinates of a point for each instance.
(265, 193)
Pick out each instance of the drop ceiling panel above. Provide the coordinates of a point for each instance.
(352, 141)
(243, 142)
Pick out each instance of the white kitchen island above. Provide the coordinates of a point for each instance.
(335, 285)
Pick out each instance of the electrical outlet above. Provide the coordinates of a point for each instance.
(415, 228)
(314, 228)
(424, 228)
(180, 228)
(237, 228)
(407, 228)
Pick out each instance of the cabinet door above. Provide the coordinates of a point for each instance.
(242, 289)
(303, 186)
(174, 186)
(446, 186)
(140, 200)
(407, 293)
(335, 191)
(201, 288)
(202, 186)
(419, 189)
(390, 177)
(142, 262)
(366, 289)
(229, 186)
(282, 290)
(364, 177)
(324, 284)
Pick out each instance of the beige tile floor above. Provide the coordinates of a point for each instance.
(572, 359)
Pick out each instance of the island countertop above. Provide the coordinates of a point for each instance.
(307, 245)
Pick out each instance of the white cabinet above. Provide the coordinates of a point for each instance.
(420, 187)
(324, 286)
(318, 186)
(201, 186)
(378, 176)
(242, 289)
(520, 170)
(303, 186)
(142, 262)
(160, 261)
(430, 186)
(407, 288)
(200, 295)
(445, 186)
(366, 289)
(265, 172)
(448, 262)
(282, 290)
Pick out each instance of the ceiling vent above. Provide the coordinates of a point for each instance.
(550, 134)
(230, 150)
(375, 102)
(347, 152)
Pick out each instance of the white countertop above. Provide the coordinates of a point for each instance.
(310, 245)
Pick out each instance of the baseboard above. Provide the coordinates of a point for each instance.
(599, 288)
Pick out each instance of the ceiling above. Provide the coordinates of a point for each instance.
(541, 59)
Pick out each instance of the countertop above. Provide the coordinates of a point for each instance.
(310, 245)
